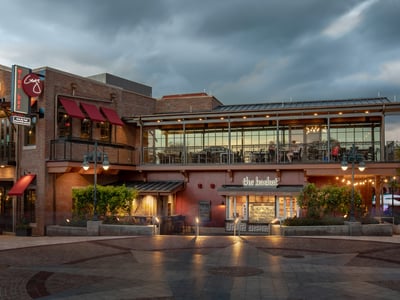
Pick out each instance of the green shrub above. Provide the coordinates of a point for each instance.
(111, 200)
(75, 222)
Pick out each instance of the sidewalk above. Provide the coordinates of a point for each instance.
(15, 242)
(203, 267)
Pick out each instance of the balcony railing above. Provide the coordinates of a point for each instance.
(7, 153)
(75, 149)
(316, 152)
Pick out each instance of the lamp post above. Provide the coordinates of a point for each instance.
(95, 156)
(353, 158)
(393, 185)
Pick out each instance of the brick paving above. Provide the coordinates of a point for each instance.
(203, 267)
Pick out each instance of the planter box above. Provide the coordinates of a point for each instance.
(314, 230)
(396, 229)
(23, 231)
(108, 229)
(57, 230)
(350, 229)
(99, 229)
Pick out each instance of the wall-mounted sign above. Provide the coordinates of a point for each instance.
(261, 212)
(20, 101)
(32, 85)
(204, 211)
(20, 120)
(258, 181)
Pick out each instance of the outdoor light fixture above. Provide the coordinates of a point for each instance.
(95, 156)
(354, 158)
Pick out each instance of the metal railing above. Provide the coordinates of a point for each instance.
(7, 153)
(75, 149)
(315, 152)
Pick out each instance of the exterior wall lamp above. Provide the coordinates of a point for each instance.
(95, 156)
(353, 158)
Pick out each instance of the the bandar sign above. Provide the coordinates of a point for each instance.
(260, 181)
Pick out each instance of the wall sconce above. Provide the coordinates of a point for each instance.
(212, 185)
(222, 203)
(200, 186)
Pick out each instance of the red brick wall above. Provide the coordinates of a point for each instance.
(186, 103)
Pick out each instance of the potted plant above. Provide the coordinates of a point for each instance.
(23, 228)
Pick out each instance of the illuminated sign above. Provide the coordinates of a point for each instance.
(20, 101)
(32, 85)
(258, 181)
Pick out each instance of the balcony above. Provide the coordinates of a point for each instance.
(73, 150)
(310, 153)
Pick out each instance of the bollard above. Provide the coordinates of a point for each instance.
(235, 226)
(156, 222)
(197, 226)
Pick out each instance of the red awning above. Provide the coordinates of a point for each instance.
(112, 116)
(93, 112)
(72, 108)
(20, 186)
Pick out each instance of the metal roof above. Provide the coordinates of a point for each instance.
(302, 104)
(156, 187)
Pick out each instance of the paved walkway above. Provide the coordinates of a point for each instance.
(187, 267)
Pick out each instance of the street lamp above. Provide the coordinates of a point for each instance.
(95, 156)
(353, 158)
(393, 185)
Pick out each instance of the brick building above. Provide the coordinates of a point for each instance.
(188, 155)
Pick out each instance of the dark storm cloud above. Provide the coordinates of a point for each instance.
(239, 51)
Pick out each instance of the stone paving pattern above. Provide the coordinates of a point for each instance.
(203, 267)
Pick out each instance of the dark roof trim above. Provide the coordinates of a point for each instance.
(240, 190)
(157, 187)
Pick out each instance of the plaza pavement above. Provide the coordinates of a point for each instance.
(203, 267)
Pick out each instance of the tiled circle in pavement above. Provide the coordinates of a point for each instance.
(235, 271)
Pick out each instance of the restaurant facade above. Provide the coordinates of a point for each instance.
(189, 156)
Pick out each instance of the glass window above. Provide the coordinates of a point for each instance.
(261, 209)
(237, 207)
(29, 206)
(86, 129)
(29, 135)
(286, 207)
(105, 129)
(64, 125)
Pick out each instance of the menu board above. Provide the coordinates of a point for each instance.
(204, 211)
(261, 212)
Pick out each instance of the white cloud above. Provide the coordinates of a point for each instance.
(347, 22)
(390, 72)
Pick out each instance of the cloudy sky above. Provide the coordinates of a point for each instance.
(240, 51)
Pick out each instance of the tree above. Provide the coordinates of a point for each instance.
(308, 199)
(328, 200)
(110, 200)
